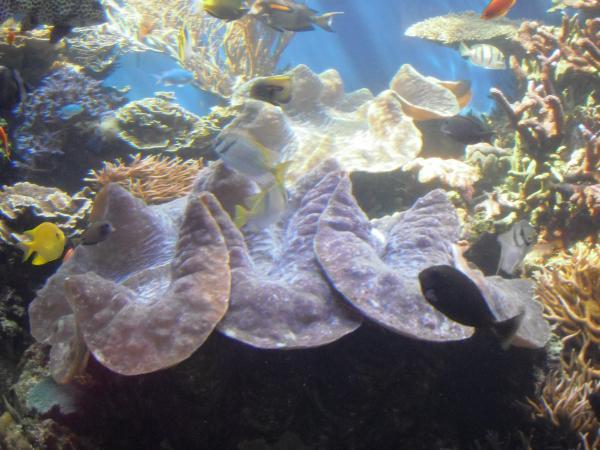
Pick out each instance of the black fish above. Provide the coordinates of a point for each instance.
(594, 400)
(95, 233)
(456, 296)
(276, 89)
(467, 130)
(12, 90)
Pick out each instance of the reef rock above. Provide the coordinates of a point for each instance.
(145, 298)
(375, 266)
(279, 295)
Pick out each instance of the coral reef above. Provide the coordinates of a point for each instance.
(552, 181)
(25, 202)
(159, 124)
(140, 310)
(154, 179)
(56, 149)
(223, 52)
(361, 132)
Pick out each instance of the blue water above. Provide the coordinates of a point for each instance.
(367, 49)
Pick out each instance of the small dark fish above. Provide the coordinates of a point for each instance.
(594, 400)
(12, 90)
(457, 297)
(276, 90)
(95, 233)
(467, 130)
(515, 244)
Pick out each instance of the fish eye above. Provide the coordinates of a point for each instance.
(57, 235)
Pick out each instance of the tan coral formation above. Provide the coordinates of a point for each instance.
(361, 132)
(45, 203)
(155, 179)
(160, 124)
(454, 28)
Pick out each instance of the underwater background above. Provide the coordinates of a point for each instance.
(299, 225)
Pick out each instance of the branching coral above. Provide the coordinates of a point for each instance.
(223, 52)
(555, 188)
(154, 179)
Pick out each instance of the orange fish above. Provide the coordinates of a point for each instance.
(4, 138)
(497, 8)
(68, 254)
(147, 26)
(11, 36)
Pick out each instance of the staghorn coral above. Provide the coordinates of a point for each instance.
(70, 213)
(154, 179)
(159, 124)
(223, 52)
(569, 289)
(551, 185)
(50, 146)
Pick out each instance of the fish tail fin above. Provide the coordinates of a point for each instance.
(463, 49)
(241, 216)
(507, 329)
(325, 21)
(26, 248)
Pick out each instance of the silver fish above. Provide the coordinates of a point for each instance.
(515, 244)
(240, 151)
(484, 55)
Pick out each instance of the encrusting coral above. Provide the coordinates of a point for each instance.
(155, 179)
(160, 124)
(42, 203)
(50, 145)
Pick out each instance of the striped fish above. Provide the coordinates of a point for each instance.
(484, 55)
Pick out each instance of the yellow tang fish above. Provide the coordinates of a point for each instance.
(47, 242)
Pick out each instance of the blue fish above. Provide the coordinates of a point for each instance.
(175, 77)
(69, 111)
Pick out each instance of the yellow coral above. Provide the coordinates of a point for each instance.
(154, 179)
